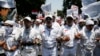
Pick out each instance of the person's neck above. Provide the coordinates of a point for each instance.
(49, 27)
(27, 27)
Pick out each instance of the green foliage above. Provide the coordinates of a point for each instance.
(60, 13)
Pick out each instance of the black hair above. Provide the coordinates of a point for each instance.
(69, 18)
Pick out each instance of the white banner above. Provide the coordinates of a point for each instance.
(11, 3)
(92, 10)
(46, 7)
(87, 2)
(69, 12)
(74, 8)
(8, 3)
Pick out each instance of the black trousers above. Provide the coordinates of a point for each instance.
(3, 54)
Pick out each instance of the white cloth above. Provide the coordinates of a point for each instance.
(2, 34)
(11, 40)
(49, 41)
(87, 35)
(30, 35)
(69, 31)
(69, 47)
(87, 41)
(56, 25)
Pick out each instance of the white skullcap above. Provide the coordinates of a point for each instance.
(9, 22)
(38, 20)
(48, 16)
(89, 22)
(58, 18)
(81, 20)
(21, 20)
(28, 18)
(6, 4)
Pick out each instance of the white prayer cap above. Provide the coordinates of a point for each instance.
(10, 22)
(81, 20)
(7, 4)
(48, 16)
(28, 18)
(21, 20)
(89, 22)
(38, 20)
(58, 18)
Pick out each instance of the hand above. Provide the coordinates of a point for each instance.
(37, 41)
(97, 39)
(78, 36)
(5, 46)
(13, 48)
(66, 38)
(1, 42)
(59, 39)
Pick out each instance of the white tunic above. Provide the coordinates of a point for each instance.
(49, 37)
(69, 31)
(87, 38)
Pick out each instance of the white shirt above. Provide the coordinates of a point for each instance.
(38, 30)
(49, 36)
(69, 31)
(87, 37)
(56, 25)
(11, 38)
(2, 35)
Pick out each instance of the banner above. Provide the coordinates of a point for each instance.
(92, 10)
(46, 7)
(87, 2)
(69, 12)
(74, 9)
(11, 3)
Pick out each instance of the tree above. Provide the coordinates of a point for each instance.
(60, 13)
(24, 7)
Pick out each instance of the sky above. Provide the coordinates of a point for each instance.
(55, 4)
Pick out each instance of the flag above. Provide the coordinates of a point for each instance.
(74, 9)
(8, 3)
(87, 2)
(46, 7)
(11, 3)
(92, 10)
(69, 12)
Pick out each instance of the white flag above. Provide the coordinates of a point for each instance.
(87, 2)
(11, 3)
(69, 12)
(46, 7)
(92, 10)
(75, 10)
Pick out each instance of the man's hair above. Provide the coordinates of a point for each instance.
(0, 8)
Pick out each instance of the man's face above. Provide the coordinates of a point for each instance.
(49, 24)
(59, 21)
(70, 22)
(27, 23)
(89, 27)
(4, 12)
(37, 23)
(81, 24)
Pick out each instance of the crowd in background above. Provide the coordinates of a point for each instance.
(71, 36)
